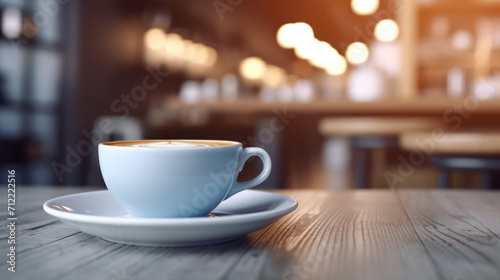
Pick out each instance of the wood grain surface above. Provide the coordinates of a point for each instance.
(454, 233)
(361, 234)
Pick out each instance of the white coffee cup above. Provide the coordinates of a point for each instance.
(176, 178)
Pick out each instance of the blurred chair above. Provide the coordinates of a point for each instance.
(464, 151)
(128, 128)
(374, 133)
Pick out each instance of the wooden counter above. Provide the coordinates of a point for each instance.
(343, 107)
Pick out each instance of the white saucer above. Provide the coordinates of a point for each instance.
(97, 213)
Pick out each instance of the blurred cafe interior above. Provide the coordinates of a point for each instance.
(342, 94)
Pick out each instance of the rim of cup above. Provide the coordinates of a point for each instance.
(116, 144)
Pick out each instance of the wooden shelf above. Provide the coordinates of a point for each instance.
(340, 107)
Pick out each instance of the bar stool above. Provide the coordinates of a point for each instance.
(466, 151)
(366, 134)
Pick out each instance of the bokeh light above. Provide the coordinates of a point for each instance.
(337, 67)
(357, 53)
(202, 55)
(285, 36)
(291, 34)
(192, 51)
(364, 7)
(461, 40)
(300, 36)
(303, 31)
(386, 30)
(252, 68)
(211, 57)
(12, 25)
(274, 76)
(305, 49)
(174, 45)
(322, 55)
(154, 38)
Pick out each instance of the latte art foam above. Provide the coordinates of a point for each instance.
(171, 144)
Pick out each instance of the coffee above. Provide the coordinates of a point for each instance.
(172, 144)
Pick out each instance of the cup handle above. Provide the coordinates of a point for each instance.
(266, 170)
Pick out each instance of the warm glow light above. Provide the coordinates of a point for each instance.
(303, 31)
(202, 55)
(174, 45)
(154, 38)
(306, 49)
(211, 57)
(178, 53)
(252, 68)
(337, 67)
(386, 30)
(364, 7)
(291, 34)
(357, 53)
(12, 26)
(285, 36)
(192, 51)
(187, 45)
(68, 208)
(323, 55)
(274, 76)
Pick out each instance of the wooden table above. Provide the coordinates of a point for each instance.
(361, 234)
